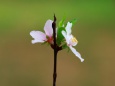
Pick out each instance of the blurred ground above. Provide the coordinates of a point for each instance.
(24, 64)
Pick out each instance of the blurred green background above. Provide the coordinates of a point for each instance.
(25, 64)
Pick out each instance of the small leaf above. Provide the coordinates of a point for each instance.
(43, 43)
(64, 46)
(73, 21)
(68, 49)
(61, 23)
(60, 37)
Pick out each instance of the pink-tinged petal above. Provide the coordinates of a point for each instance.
(37, 41)
(68, 28)
(48, 28)
(76, 53)
(38, 36)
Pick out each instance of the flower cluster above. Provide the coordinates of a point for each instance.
(64, 37)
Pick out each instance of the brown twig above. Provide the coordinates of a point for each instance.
(55, 51)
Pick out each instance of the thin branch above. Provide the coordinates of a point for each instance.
(55, 51)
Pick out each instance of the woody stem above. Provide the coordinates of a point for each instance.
(55, 51)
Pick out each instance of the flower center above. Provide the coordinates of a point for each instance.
(50, 40)
(74, 40)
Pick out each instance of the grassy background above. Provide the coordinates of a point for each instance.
(24, 64)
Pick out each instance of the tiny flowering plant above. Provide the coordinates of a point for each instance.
(58, 38)
(40, 37)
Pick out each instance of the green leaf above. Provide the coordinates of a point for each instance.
(43, 43)
(61, 23)
(73, 21)
(64, 46)
(68, 49)
(60, 37)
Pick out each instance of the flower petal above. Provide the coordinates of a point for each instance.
(37, 41)
(38, 36)
(76, 53)
(48, 28)
(66, 37)
(68, 28)
(64, 34)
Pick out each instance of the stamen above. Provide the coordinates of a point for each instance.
(74, 40)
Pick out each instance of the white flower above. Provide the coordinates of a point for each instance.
(71, 40)
(43, 37)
